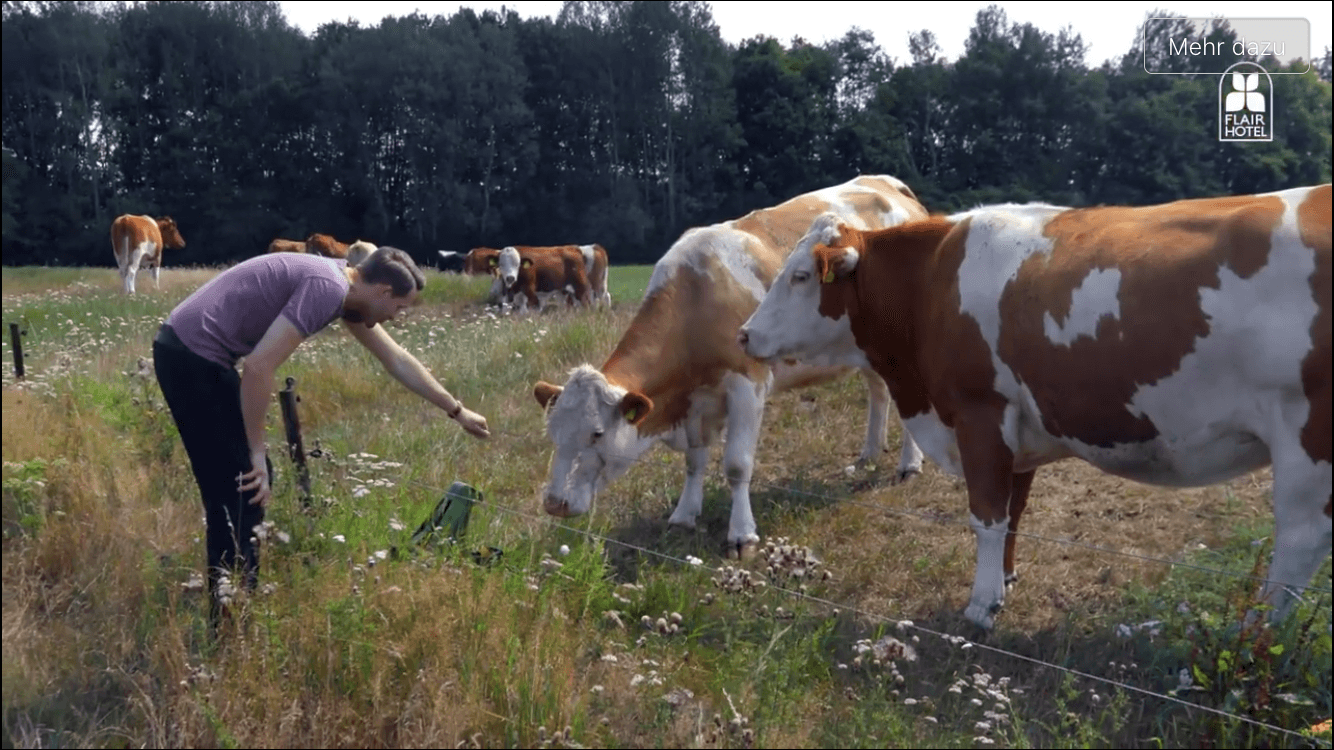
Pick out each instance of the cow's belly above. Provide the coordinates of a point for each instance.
(1208, 457)
(1211, 455)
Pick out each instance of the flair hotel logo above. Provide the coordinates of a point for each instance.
(1246, 102)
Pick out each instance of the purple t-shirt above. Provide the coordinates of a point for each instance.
(225, 318)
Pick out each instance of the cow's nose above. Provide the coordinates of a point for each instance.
(742, 338)
(556, 507)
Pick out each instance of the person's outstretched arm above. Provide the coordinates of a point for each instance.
(415, 377)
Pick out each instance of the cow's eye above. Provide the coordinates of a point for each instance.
(799, 277)
(597, 435)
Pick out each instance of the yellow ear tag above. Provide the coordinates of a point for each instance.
(630, 415)
(828, 276)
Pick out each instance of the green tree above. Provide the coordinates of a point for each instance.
(53, 126)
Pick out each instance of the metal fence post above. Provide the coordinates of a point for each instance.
(16, 337)
(296, 449)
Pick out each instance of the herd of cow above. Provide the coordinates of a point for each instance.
(1182, 345)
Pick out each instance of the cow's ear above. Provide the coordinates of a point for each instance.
(527, 263)
(834, 262)
(546, 393)
(635, 407)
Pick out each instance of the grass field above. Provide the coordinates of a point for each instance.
(358, 639)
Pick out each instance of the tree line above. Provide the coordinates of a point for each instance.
(622, 123)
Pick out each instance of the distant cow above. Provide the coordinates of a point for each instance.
(323, 244)
(531, 276)
(359, 251)
(1179, 345)
(481, 261)
(287, 246)
(451, 261)
(138, 241)
(594, 258)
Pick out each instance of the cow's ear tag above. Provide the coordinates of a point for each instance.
(631, 415)
(527, 263)
(493, 262)
(828, 276)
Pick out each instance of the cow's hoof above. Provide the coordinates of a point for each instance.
(983, 617)
(1011, 579)
(743, 551)
(687, 524)
(905, 475)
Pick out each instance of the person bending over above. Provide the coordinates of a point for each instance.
(262, 309)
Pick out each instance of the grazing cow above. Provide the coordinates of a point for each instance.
(359, 251)
(595, 270)
(678, 375)
(535, 275)
(280, 245)
(323, 244)
(138, 241)
(1181, 344)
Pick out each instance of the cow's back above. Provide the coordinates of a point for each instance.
(756, 245)
(1144, 337)
(128, 230)
(713, 277)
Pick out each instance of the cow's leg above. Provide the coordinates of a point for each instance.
(910, 456)
(877, 424)
(691, 502)
(988, 467)
(1018, 501)
(877, 418)
(132, 267)
(157, 269)
(1301, 525)
(745, 412)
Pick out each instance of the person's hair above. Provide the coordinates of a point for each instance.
(389, 265)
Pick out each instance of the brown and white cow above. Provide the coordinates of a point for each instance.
(280, 245)
(546, 272)
(138, 241)
(326, 245)
(678, 375)
(1181, 344)
(532, 276)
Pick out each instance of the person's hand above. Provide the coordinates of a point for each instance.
(256, 479)
(472, 422)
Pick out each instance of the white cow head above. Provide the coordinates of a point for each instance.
(594, 427)
(790, 323)
(508, 268)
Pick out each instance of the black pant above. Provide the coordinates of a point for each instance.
(205, 401)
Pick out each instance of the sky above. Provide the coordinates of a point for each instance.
(1109, 29)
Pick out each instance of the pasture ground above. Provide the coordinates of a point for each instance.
(356, 639)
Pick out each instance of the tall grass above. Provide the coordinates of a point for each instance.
(357, 638)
